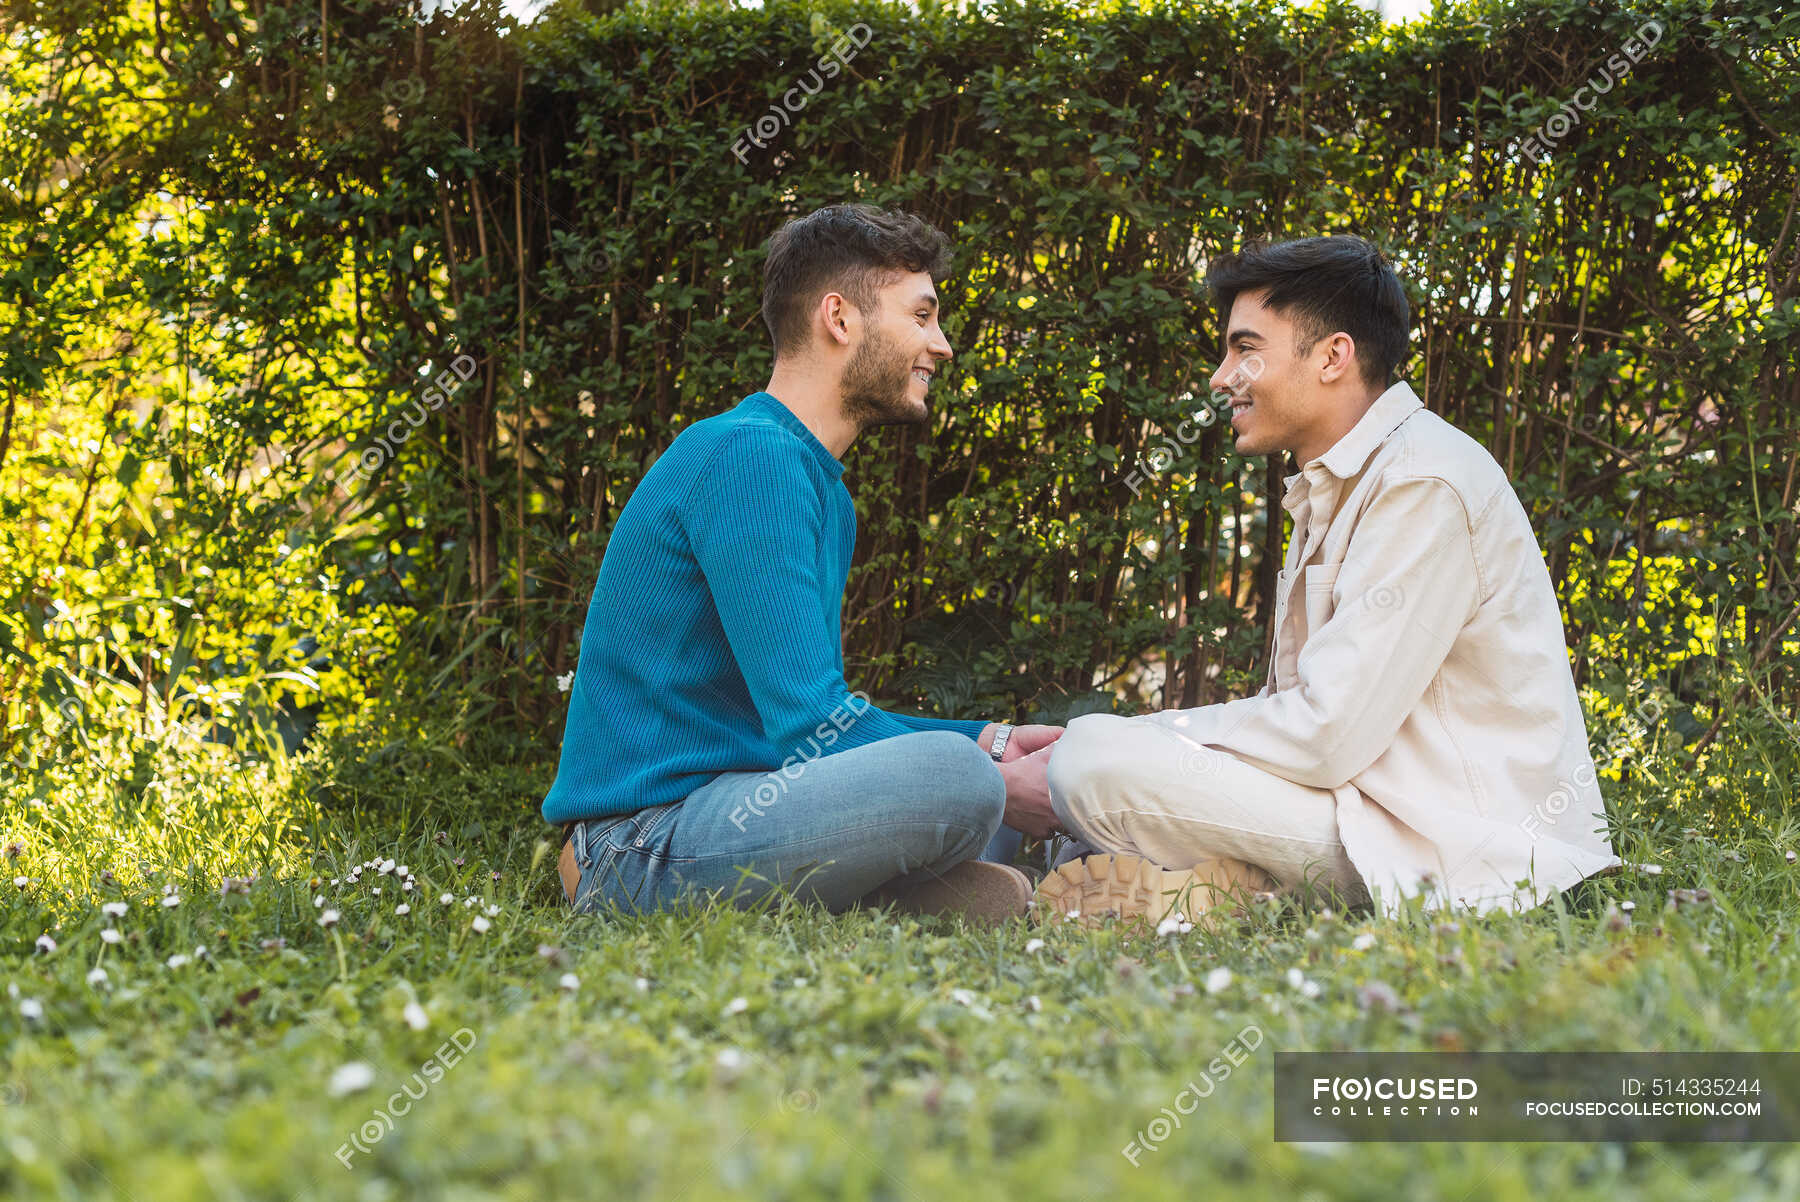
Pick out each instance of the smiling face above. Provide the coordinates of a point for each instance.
(1273, 389)
(890, 371)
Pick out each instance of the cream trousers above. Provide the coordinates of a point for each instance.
(1133, 787)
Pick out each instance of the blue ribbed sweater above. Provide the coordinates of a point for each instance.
(714, 639)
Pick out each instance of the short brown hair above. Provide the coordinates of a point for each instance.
(844, 248)
(1325, 284)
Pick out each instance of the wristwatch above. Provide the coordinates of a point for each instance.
(1002, 733)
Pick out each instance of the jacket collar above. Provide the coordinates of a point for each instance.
(1350, 454)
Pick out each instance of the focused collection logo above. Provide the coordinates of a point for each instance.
(1397, 1097)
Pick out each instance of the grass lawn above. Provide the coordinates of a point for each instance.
(789, 1054)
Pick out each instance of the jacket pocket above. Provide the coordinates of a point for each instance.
(1317, 581)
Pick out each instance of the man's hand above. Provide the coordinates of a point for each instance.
(1027, 739)
(1028, 789)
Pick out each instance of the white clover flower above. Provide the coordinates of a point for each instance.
(1628, 906)
(177, 960)
(376, 891)
(329, 919)
(97, 978)
(46, 944)
(1033, 945)
(470, 901)
(334, 882)
(31, 1009)
(407, 885)
(1297, 979)
(569, 982)
(318, 900)
(1174, 924)
(113, 909)
(403, 908)
(1363, 942)
(446, 899)
(643, 985)
(962, 997)
(415, 1016)
(171, 901)
(200, 952)
(493, 911)
(350, 1078)
(480, 924)
(1218, 980)
(737, 1005)
(109, 935)
(385, 867)
(731, 1062)
(799, 982)
(403, 870)
(1033, 1004)
(21, 881)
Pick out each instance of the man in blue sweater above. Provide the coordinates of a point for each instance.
(713, 744)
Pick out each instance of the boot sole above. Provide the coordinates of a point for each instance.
(1128, 888)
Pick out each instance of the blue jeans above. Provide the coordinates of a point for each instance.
(828, 829)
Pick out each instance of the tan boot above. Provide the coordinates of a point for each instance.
(567, 869)
(975, 889)
(1127, 887)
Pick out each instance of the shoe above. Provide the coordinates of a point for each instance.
(567, 869)
(977, 890)
(1129, 888)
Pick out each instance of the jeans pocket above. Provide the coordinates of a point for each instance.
(591, 838)
(626, 859)
(650, 824)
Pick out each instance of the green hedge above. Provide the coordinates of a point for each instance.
(1606, 297)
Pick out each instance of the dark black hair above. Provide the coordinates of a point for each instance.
(845, 248)
(1324, 285)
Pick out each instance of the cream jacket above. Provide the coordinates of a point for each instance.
(1420, 673)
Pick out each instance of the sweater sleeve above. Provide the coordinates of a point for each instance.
(964, 726)
(755, 519)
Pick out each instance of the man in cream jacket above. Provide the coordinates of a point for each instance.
(1419, 733)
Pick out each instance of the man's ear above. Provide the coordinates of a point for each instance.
(835, 314)
(1340, 357)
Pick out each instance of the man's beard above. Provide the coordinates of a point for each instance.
(875, 386)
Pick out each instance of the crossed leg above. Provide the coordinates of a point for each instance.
(1134, 787)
